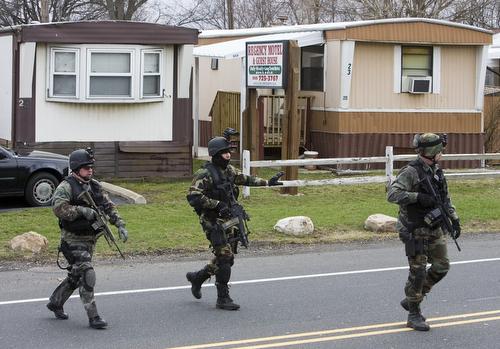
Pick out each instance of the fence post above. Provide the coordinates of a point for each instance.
(389, 163)
(245, 167)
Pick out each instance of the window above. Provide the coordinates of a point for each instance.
(214, 64)
(151, 74)
(311, 70)
(110, 74)
(63, 75)
(107, 73)
(416, 61)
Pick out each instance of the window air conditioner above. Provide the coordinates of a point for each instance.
(421, 84)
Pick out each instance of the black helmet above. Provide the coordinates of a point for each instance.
(81, 157)
(218, 144)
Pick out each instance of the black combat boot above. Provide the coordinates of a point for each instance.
(405, 304)
(58, 311)
(196, 279)
(223, 300)
(97, 322)
(415, 320)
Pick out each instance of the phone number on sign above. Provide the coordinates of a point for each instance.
(268, 78)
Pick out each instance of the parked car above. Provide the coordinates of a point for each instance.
(34, 175)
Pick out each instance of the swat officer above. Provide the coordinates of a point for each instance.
(209, 194)
(79, 234)
(419, 226)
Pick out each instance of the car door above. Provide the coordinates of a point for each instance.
(9, 183)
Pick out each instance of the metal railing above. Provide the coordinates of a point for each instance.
(388, 159)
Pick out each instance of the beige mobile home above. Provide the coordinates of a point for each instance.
(364, 84)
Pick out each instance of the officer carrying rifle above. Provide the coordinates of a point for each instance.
(426, 215)
(81, 206)
(213, 195)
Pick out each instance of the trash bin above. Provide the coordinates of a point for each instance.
(310, 155)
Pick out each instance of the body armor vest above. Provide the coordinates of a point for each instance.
(81, 225)
(223, 188)
(416, 212)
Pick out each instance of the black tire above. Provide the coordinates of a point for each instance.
(40, 189)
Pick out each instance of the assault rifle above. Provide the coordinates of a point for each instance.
(101, 223)
(443, 212)
(238, 218)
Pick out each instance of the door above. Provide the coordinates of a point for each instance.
(8, 173)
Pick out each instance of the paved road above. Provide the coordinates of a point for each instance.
(332, 297)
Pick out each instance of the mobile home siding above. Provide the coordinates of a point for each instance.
(394, 122)
(6, 74)
(373, 144)
(372, 80)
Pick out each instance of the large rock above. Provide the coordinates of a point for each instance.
(380, 223)
(297, 226)
(30, 241)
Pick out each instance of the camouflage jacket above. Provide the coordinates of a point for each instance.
(199, 194)
(405, 188)
(65, 208)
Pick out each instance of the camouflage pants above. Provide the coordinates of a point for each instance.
(223, 259)
(81, 275)
(420, 279)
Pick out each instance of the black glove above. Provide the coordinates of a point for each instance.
(275, 179)
(86, 212)
(426, 200)
(223, 209)
(455, 223)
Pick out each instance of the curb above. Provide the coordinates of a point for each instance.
(126, 194)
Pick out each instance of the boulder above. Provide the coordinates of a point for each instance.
(380, 223)
(297, 226)
(30, 241)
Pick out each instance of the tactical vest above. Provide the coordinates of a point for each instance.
(223, 187)
(416, 212)
(80, 225)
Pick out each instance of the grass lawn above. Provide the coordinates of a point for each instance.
(168, 223)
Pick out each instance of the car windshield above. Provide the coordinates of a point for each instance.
(9, 150)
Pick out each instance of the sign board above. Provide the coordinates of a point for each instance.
(266, 64)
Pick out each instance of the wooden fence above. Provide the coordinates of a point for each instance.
(388, 159)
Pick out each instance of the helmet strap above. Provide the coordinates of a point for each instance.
(79, 178)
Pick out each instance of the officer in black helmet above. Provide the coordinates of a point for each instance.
(212, 194)
(79, 235)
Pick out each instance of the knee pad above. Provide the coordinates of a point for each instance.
(88, 279)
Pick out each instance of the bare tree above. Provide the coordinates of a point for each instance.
(492, 124)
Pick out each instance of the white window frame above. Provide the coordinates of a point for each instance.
(400, 81)
(53, 51)
(160, 73)
(130, 74)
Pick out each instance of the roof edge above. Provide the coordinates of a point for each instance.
(205, 34)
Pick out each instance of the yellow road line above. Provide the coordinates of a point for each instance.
(342, 330)
(364, 334)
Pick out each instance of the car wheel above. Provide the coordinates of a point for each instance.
(40, 189)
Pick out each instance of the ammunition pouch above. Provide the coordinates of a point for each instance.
(79, 226)
(433, 218)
